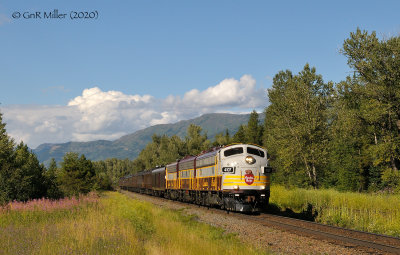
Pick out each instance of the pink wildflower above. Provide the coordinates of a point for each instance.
(44, 204)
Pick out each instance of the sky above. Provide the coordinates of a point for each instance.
(141, 63)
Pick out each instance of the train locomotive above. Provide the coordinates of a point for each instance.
(234, 178)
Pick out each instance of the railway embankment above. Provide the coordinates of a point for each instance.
(267, 238)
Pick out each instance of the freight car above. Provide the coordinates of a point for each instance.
(234, 177)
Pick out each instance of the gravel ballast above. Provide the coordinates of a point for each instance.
(270, 239)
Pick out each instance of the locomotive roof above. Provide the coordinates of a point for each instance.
(245, 144)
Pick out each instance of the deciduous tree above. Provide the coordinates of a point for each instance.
(296, 124)
(376, 65)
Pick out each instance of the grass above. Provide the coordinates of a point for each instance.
(377, 213)
(111, 224)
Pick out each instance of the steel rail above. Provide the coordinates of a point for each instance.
(329, 236)
(344, 239)
(387, 239)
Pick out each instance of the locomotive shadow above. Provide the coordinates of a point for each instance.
(310, 214)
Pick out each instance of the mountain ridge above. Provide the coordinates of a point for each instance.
(130, 145)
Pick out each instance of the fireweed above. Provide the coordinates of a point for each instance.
(113, 224)
(49, 205)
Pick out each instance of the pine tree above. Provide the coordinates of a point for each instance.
(240, 135)
(253, 131)
(53, 190)
(77, 174)
(227, 137)
(26, 180)
(6, 144)
(6, 162)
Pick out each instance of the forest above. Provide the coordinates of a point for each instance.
(343, 135)
(318, 134)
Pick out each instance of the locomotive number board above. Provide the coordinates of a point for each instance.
(228, 170)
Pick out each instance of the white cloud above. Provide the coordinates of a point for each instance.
(49, 126)
(166, 117)
(229, 92)
(98, 114)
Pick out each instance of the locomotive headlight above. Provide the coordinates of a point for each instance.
(262, 187)
(250, 160)
(236, 187)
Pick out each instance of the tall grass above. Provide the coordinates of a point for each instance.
(113, 224)
(377, 213)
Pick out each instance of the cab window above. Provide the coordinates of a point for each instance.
(256, 152)
(234, 151)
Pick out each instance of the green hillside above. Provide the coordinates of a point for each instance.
(129, 146)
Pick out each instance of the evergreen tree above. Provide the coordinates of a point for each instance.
(77, 174)
(26, 180)
(227, 137)
(6, 145)
(6, 162)
(102, 182)
(53, 190)
(253, 131)
(240, 135)
(21, 174)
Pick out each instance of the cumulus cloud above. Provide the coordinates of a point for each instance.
(109, 110)
(229, 92)
(108, 115)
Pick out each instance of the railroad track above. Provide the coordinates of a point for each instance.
(372, 243)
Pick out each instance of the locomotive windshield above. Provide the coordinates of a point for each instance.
(256, 152)
(234, 151)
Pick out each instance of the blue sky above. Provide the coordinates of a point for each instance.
(163, 49)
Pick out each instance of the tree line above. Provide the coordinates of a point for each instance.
(343, 135)
(163, 150)
(23, 177)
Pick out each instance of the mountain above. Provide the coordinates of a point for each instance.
(129, 146)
